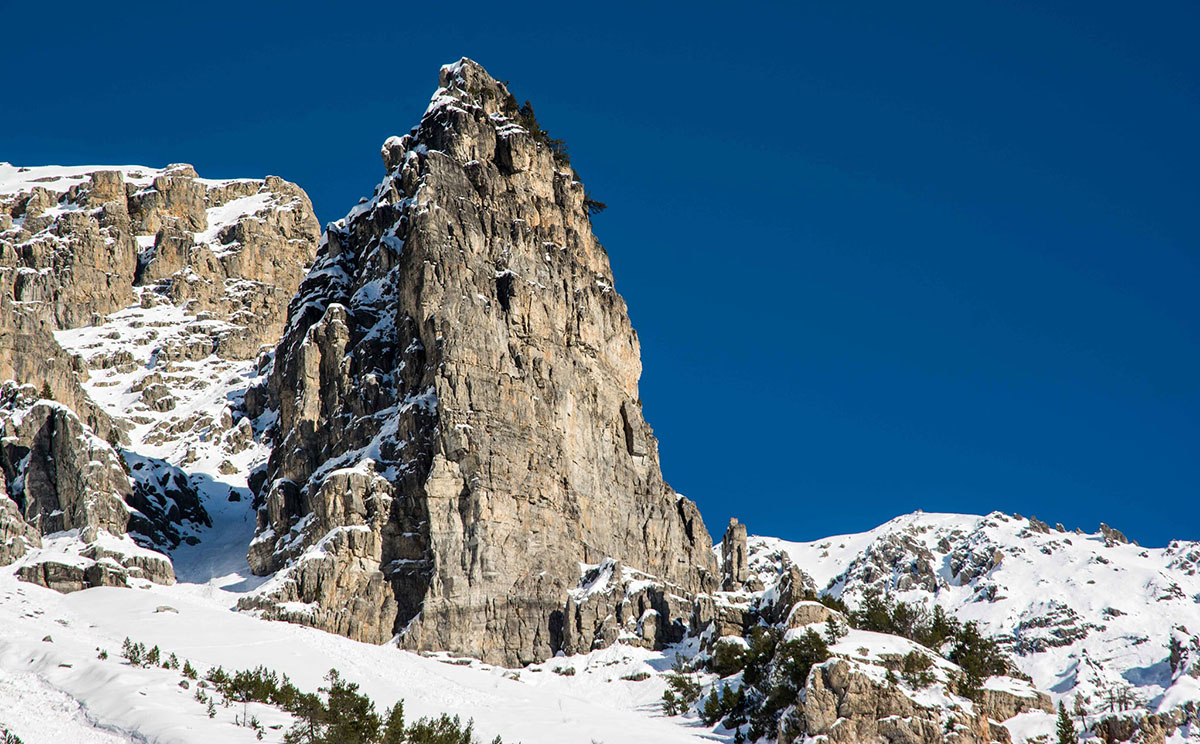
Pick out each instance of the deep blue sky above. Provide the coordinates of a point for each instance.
(885, 257)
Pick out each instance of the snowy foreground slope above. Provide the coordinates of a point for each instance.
(1089, 617)
(59, 691)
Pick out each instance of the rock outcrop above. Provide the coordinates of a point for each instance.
(1002, 703)
(735, 561)
(843, 704)
(136, 299)
(30, 354)
(615, 603)
(60, 477)
(459, 423)
(76, 242)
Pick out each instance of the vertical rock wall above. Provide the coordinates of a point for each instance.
(460, 429)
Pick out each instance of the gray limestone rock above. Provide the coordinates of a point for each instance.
(847, 706)
(807, 613)
(1001, 705)
(1112, 536)
(59, 476)
(78, 252)
(735, 566)
(459, 344)
(30, 354)
(77, 245)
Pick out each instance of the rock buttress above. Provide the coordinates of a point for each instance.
(458, 407)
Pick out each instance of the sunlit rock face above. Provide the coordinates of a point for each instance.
(457, 397)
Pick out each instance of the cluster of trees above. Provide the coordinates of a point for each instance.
(963, 643)
(878, 612)
(139, 656)
(336, 714)
(8, 737)
(773, 673)
(916, 669)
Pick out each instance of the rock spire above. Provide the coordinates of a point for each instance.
(460, 434)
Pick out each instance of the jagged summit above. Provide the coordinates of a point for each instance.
(457, 393)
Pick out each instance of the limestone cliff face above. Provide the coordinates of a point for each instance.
(76, 243)
(133, 302)
(30, 354)
(459, 422)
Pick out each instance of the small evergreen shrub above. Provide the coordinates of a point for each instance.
(916, 669)
(1065, 729)
(682, 691)
(979, 656)
(722, 705)
(728, 658)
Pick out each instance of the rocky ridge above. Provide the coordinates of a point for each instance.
(864, 686)
(1102, 623)
(456, 391)
(133, 303)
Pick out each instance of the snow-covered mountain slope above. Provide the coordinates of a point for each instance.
(1088, 615)
(57, 691)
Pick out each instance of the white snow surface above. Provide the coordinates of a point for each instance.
(95, 700)
(59, 178)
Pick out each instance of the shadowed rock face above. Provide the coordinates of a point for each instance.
(458, 407)
(57, 475)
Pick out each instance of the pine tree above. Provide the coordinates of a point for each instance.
(1066, 730)
(352, 718)
(310, 713)
(393, 730)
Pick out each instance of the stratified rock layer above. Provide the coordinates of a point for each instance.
(458, 408)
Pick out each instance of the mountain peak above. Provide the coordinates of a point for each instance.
(458, 366)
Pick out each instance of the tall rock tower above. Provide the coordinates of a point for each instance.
(459, 431)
